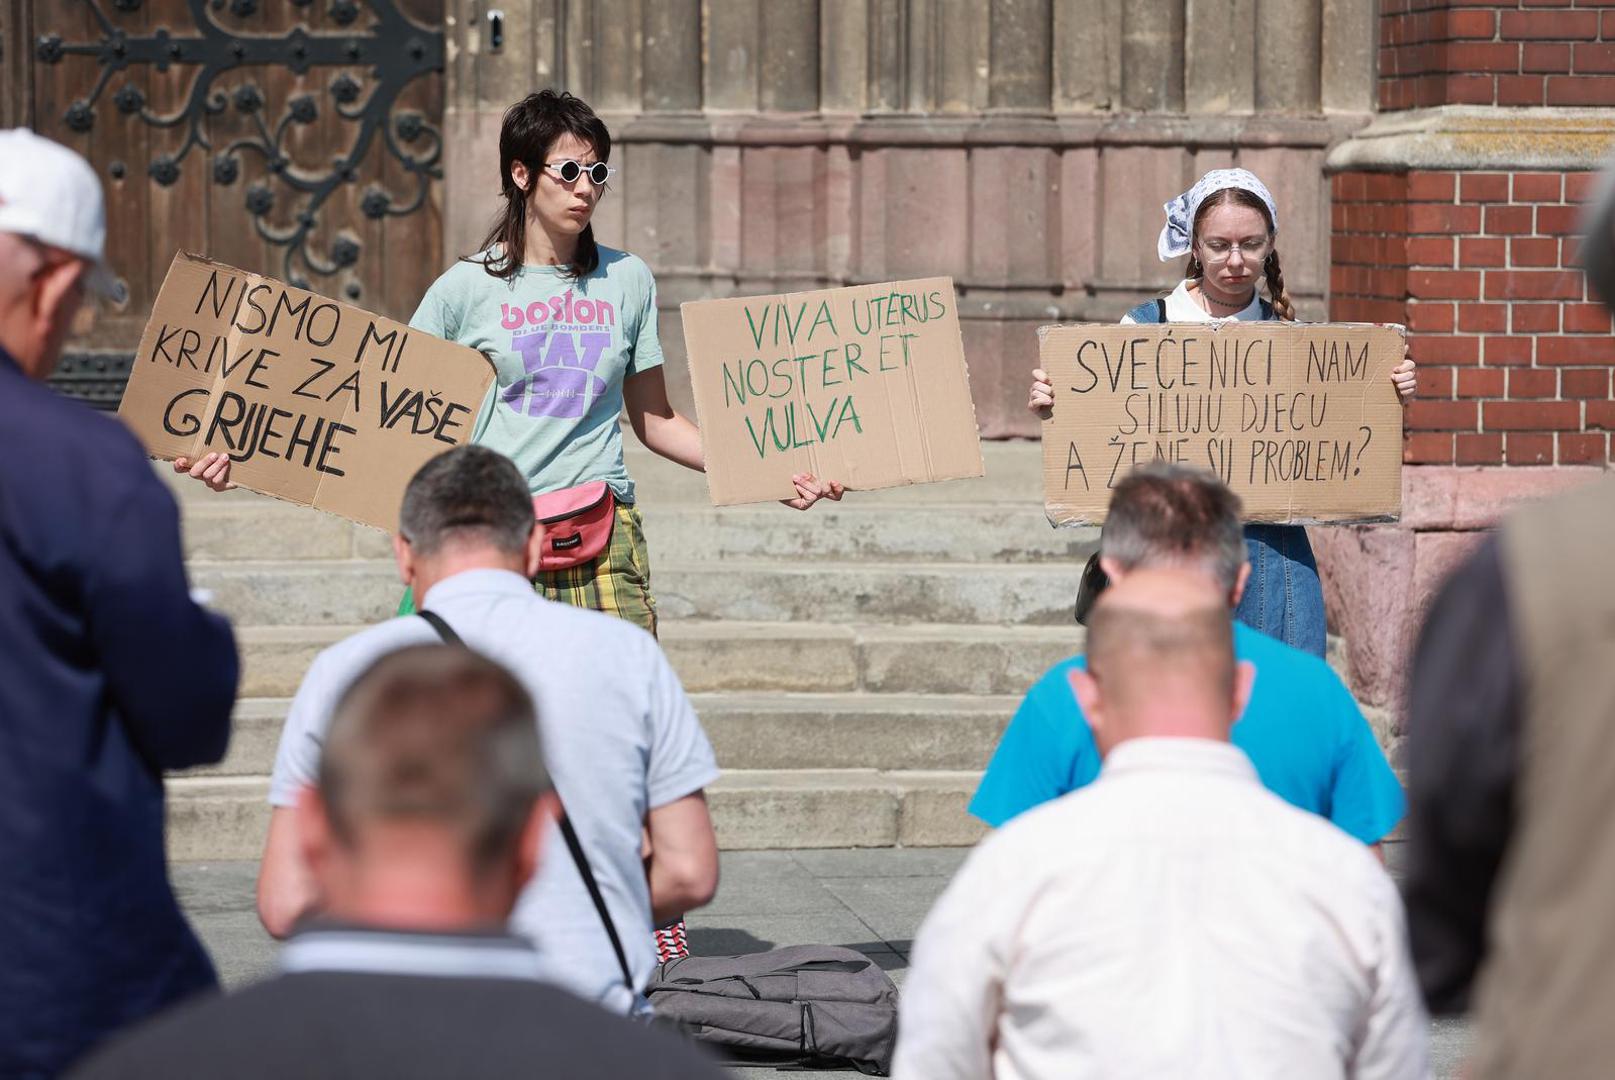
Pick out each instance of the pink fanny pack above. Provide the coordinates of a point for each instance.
(576, 524)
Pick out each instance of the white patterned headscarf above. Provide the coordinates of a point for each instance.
(1178, 233)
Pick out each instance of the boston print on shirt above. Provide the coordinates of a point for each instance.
(562, 341)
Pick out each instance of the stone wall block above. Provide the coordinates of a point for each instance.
(1077, 260)
(1014, 215)
(666, 192)
(961, 44)
(759, 208)
(782, 210)
(471, 187)
(1021, 58)
(1435, 497)
(1348, 53)
(844, 56)
(1001, 355)
(1087, 36)
(801, 180)
(733, 47)
(789, 53)
(672, 56)
(1368, 575)
(1135, 181)
(1289, 38)
(615, 62)
(1219, 63)
(725, 179)
(924, 213)
(841, 205)
(887, 54)
(1152, 55)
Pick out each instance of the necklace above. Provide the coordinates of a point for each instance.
(1208, 303)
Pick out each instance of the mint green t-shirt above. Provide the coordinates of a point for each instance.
(562, 349)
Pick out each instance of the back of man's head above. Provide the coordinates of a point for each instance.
(1166, 514)
(52, 240)
(1160, 661)
(439, 744)
(467, 497)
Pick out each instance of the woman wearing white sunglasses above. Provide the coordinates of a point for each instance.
(570, 326)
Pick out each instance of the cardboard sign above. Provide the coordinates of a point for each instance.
(864, 385)
(1300, 419)
(315, 401)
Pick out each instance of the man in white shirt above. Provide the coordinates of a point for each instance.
(626, 752)
(1173, 919)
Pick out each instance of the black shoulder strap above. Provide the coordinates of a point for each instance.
(444, 630)
(1160, 310)
(568, 833)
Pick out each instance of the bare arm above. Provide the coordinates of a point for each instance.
(285, 888)
(659, 426)
(682, 863)
(665, 431)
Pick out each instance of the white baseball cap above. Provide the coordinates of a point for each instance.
(50, 194)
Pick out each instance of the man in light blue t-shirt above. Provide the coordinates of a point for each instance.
(1301, 729)
(627, 755)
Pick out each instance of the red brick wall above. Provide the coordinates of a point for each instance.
(1496, 52)
(1515, 359)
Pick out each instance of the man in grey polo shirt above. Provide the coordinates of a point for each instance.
(427, 821)
(626, 751)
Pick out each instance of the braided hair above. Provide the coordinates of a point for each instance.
(1283, 306)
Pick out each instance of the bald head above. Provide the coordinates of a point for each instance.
(1161, 659)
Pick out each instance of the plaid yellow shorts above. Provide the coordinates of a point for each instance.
(618, 582)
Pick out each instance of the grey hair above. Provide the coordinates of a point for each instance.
(1166, 514)
(439, 735)
(468, 493)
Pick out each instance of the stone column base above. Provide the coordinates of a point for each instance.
(1379, 580)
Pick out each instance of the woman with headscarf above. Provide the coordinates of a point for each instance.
(1227, 224)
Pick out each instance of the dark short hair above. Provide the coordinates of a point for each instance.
(435, 734)
(1166, 513)
(470, 494)
(530, 127)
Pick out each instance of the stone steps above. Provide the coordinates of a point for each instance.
(227, 817)
(267, 529)
(853, 665)
(765, 656)
(320, 591)
(1013, 477)
(758, 731)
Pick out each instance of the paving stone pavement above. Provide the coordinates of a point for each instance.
(872, 900)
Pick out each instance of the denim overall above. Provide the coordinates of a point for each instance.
(1283, 598)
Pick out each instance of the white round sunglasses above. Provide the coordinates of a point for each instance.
(569, 171)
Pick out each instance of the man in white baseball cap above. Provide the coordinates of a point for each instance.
(53, 229)
(98, 635)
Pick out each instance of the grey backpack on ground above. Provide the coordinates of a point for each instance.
(812, 1004)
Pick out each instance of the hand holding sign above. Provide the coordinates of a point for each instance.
(212, 469)
(295, 395)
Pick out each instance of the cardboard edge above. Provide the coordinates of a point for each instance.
(964, 366)
(1390, 517)
(964, 359)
